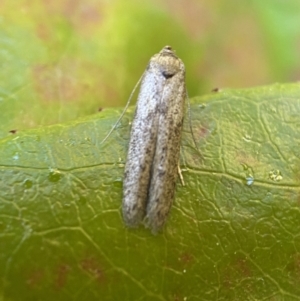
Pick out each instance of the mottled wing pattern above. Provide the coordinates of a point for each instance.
(166, 157)
(154, 147)
(141, 150)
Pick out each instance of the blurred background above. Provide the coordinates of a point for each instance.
(63, 59)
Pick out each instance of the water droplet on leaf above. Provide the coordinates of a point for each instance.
(54, 175)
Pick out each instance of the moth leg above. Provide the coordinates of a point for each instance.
(180, 175)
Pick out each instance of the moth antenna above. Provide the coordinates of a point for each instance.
(125, 109)
(190, 121)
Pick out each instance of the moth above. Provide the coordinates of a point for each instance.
(153, 155)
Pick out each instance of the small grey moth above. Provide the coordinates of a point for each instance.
(154, 147)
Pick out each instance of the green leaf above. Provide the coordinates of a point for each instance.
(233, 232)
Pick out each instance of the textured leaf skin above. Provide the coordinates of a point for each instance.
(233, 232)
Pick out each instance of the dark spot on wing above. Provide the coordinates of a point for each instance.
(167, 74)
(161, 173)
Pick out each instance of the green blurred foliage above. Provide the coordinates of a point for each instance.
(63, 59)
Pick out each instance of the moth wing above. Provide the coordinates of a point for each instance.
(141, 150)
(167, 152)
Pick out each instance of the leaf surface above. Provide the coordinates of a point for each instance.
(233, 231)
